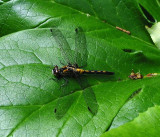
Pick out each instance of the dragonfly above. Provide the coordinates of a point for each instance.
(74, 70)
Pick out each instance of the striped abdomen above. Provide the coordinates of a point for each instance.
(81, 71)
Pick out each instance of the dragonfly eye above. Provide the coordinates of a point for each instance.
(55, 71)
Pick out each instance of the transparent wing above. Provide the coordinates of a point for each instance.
(81, 53)
(88, 95)
(63, 45)
(81, 59)
(63, 104)
(80, 47)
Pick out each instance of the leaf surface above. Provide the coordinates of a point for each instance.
(28, 54)
(149, 120)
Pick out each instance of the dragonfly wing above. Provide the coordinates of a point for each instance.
(81, 55)
(63, 103)
(88, 95)
(80, 47)
(90, 100)
(63, 45)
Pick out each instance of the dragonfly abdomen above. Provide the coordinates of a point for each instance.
(97, 72)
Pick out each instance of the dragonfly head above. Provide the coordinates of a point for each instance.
(56, 72)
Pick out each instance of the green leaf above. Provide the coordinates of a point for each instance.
(152, 7)
(28, 53)
(154, 32)
(17, 15)
(147, 97)
(146, 124)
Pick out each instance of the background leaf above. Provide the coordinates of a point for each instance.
(28, 53)
(149, 120)
(152, 7)
(154, 32)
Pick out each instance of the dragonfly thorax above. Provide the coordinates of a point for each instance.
(69, 70)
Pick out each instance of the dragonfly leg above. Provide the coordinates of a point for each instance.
(65, 83)
(62, 63)
(70, 65)
(80, 66)
(53, 79)
(76, 65)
